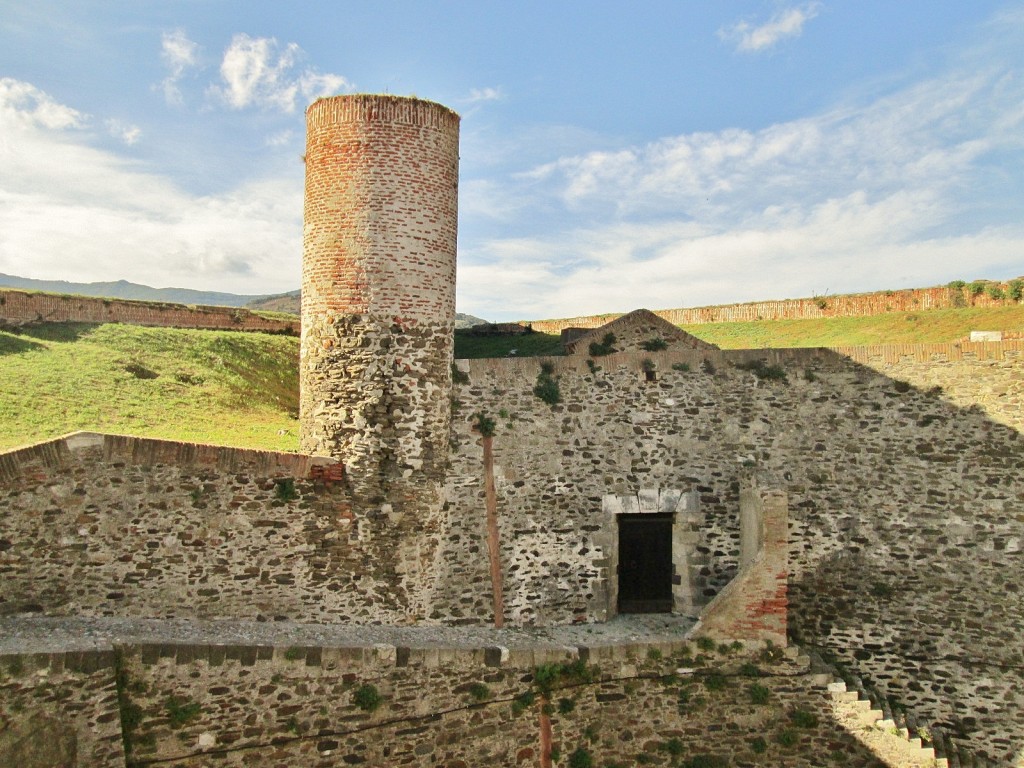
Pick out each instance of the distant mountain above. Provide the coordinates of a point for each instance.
(289, 302)
(279, 302)
(122, 289)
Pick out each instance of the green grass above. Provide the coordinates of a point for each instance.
(218, 387)
(241, 389)
(526, 345)
(922, 327)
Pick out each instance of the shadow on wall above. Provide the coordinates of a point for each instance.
(920, 593)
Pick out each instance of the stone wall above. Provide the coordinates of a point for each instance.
(845, 305)
(98, 525)
(60, 709)
(902, 467)
(24, 308)
(190, 706)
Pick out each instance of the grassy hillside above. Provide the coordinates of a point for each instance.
(930, 326)
(203, 386)
(241, 389)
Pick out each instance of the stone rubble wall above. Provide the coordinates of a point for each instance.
(903, 470)
(98, 525)
(902, 467)
(19, 308)
(845, 305)
(190, 706)
(60, 709)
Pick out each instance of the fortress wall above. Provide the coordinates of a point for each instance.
(904, 505)
(904, 501)
(99, 525)
(24, 308)
(199, 705)
(847, 305)
(60, 709)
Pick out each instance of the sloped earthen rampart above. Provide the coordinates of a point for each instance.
(844, 305)
(24, 308)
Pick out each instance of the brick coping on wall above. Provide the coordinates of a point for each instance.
(20, 307)
(145, 451)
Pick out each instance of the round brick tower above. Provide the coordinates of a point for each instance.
(378, 289)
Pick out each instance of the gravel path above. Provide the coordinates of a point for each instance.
(51, 634)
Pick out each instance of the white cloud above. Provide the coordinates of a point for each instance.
(129, 134)
(786, 23)
(896, 192)
(23, 105)
(70, 211)
(476, 95)
(258, 72)
(178, 54)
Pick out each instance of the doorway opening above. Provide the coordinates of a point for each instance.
(645, 563)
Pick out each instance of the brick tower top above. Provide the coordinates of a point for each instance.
(380, 208)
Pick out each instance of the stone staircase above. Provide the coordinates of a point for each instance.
(896, 736)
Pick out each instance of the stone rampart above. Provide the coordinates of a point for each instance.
(902, 466)
(247, 705)
(844, 305)
(25, 308)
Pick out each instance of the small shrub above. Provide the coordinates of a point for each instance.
(479, 692)
(655, 344)
(546, 387)
(705, 643)
(708, 367)
(683, 367)
(284, 489)
(459, 376)
(976, 288)
(484, 424)
(605, 347)
(787, 737)
(801, 718)
(749, 669)
(179, 712)
(880, 590)
(820, 302)
(715, 681)
(580, 758)
(956, 285)
(294, 654)
(759, 745)
(763, 371)
(591, 733)
(901, 386)
(759, 694)
(995, 292)
(367, 697)
(523, 701)
(705, 761)
(674, 747)
(654, 654)
(565, 706)
(592, 366)
(809, 375)
(1015, 289)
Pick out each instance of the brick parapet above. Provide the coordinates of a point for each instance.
(19, 308)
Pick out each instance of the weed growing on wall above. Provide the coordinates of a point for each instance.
(604, 347)
(581, 758)
(484, 424)
(1015, 290)
(459, 376)
(762, 370)
(284, 490)
(367, 697)
(655, 344)
(479, 692)
(546, 387)
(180, 712)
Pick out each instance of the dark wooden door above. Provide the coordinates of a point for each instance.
(645, 563)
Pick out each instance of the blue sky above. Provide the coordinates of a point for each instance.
(662, 155)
